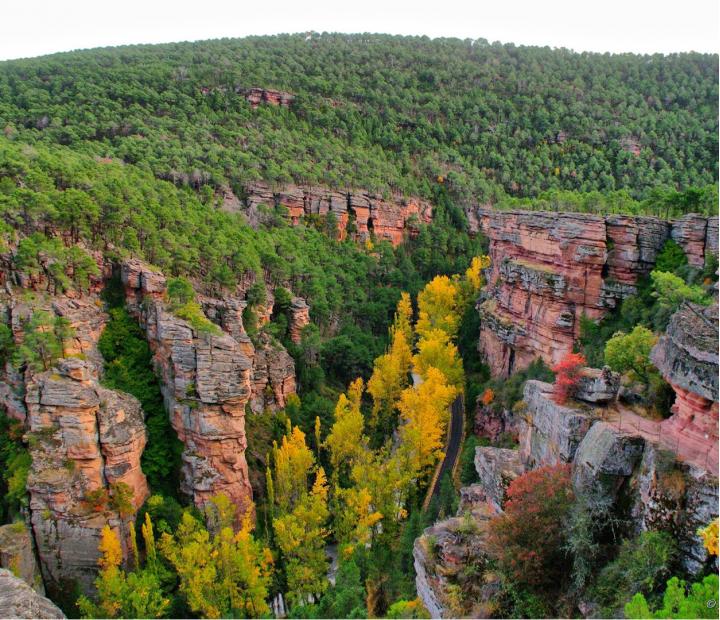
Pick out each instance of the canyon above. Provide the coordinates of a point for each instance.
(548, 270)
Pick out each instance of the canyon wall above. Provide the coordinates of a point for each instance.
(359, 213)
(209, 382)
(550, 269)
(85, 441)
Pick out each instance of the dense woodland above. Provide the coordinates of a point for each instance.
(129, 151)
(380, 113)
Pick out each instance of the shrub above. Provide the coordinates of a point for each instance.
(528, 539)
(642, 565)
(567, 376)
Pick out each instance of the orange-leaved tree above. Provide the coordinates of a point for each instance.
(567, 376)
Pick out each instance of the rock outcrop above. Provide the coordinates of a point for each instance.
(273, 375)
(84, 440)
(18, 556)
(206, 383)
(256, 96)
(497, 468)
(614, 461)
(19, 600)
(550, 269)
(454, 553)
(687, 357)
(363, 213)
(299, 318)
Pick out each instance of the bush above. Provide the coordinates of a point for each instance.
(567, 376)
(679, 601)
(528, 539)
(642, 565)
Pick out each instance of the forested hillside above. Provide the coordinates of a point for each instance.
(379, 112)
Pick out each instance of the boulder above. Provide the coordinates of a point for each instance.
(19, 600)
(598, 386)
(497, 468)
(550, 433)
(604, 459)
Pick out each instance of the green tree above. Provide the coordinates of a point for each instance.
(630, 353)
(699, 601)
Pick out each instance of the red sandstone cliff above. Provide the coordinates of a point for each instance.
(83, 438)
(391, 219)
(548, 269)
(206, 383)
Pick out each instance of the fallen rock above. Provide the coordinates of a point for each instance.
(604, 459)
(598, 386)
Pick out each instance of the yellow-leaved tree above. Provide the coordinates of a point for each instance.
(300, 515)
(345, 441)
(436, 351)
(137, 594)
(473, 275)
(293, 462)
(300, 535)
(438, 307)
(221, 575)
(425, 412)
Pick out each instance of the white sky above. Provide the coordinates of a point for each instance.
(36, 27)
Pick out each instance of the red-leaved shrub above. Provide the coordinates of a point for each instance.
(567, 376)
(528, 538)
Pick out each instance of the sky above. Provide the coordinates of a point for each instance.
(36, 27)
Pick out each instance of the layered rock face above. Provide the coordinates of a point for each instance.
(19, 600)
(370, 214)
(256, 96)
(84, 439)
(299, 318)
(687, 357)
(273, 376)
(206, 383)
(550, 269)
